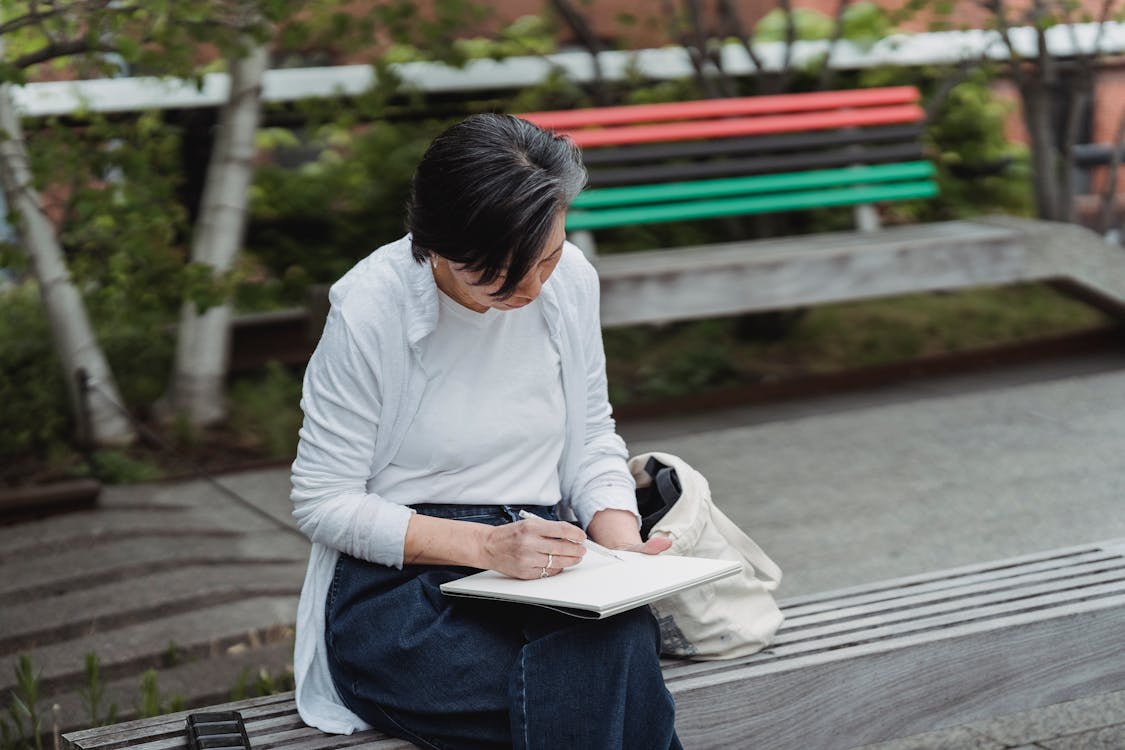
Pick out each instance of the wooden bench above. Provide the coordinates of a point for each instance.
(849, 667)
(655, 163)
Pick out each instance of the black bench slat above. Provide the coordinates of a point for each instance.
(796, 162)
(750, 145)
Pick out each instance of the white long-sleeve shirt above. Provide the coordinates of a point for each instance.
(492, 422)
(362, 389)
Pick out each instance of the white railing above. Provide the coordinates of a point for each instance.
(292, 84)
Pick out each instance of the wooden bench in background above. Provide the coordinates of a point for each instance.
(657, 163)
(849, 667)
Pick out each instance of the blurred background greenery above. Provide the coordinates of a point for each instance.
(330, 186)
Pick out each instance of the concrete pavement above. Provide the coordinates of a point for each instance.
(929, 474)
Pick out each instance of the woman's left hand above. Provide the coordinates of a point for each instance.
(617, 529)
(654, 546)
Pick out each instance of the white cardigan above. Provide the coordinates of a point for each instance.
(362, 387)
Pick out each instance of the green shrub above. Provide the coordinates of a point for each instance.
(265, 411)
(118, 467)
(33, 399)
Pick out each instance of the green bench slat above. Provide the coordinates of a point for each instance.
(721, 188)
(656, 213)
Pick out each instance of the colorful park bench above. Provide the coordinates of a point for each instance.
(656, 163)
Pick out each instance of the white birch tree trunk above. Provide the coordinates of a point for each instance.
(202, 348)
(100, 420)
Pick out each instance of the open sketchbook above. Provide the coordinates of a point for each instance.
(598, 586)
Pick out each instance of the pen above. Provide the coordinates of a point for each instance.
(589, 544)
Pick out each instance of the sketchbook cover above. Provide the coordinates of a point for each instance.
(598, 586)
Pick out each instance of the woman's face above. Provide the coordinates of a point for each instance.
(469, 291)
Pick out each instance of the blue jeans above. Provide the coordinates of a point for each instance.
(459, 673)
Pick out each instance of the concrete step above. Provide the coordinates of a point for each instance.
(133, 648)
(39, 623)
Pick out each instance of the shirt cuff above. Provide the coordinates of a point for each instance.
(605, 495)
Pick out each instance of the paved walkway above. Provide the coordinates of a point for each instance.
(840, 490)
(927, 475)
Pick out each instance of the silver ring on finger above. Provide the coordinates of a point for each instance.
(543, 573)
(550, 560)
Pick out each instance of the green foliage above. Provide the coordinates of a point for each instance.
(123, 225)
(315, 221)
(23, 729)
(153, 702)
(124, 231)
(265, 412)
(159, 36)
(93, 694)
(173, 655)
(644, 362)
(807, 25)
(32, 393)
(865, 23)
(429, 36)
(114, 466)
(263, 683)
(527, 35)
(979, 170)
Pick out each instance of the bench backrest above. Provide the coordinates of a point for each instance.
(745, 155)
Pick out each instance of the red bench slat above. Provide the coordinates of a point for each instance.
(683, 131)
(747, 105)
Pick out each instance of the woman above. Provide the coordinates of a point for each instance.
(460, 380)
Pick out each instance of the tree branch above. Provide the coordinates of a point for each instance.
(581, 28)
(60, 49)
(732, 26)
(30, 18)
(786, 7)
(826, 73)
(1015, 62)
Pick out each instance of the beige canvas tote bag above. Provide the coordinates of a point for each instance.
(732, 617)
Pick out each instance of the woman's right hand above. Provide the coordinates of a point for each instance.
(527, 548)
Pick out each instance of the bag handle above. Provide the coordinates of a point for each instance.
(762, 563)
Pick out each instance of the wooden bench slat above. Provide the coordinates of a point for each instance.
(1051, 559)
(639, 175)
(969, 585)
(759, 144)
(746, 105)
(799, 656)
(119, 735)
(968, 608)
(1106, 595)
(747, 126)
(579, 220)
(878, 692)
(754, 185)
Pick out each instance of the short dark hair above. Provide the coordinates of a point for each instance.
(486, 193)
